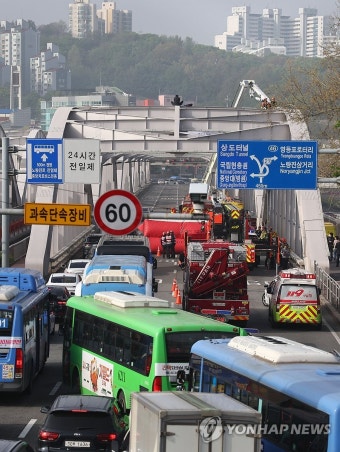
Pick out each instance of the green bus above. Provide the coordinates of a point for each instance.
(116, 343)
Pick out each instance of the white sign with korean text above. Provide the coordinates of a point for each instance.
(82, 161)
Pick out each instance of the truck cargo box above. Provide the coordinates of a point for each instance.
(183, 422)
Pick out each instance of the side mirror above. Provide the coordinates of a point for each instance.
(269, 290)
(45, 409)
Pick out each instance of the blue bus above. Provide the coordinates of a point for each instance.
(296, 388)
(131, 273)
(24, 328)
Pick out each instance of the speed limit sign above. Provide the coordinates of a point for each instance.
(118, 212)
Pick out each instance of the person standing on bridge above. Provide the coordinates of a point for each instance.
(285, 256)
(173, 244)
(164, 244)
(169, 241)
(330, 241)
(336, 251)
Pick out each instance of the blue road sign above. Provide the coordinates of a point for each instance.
(273, 165)
(44, 161)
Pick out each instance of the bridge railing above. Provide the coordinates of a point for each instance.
(330, 288)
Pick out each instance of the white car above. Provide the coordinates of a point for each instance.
(68, 280)
(268, 290)
(77, 266)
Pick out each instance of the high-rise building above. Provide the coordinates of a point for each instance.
(83, 20)
(18, 43)
(305, 35)
(115, 21)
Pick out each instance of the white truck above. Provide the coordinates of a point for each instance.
(195, 422)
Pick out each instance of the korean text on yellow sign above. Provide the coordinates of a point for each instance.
(58, 214)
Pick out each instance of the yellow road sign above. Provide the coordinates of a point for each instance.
(57, 214)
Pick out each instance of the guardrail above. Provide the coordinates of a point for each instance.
(61, 258)
(330, 288)
(18, 251)
(296, 260)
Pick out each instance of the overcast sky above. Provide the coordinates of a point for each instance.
(199, 19)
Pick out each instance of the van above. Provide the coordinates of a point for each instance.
(294, 298)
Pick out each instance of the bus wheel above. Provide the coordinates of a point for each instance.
(75, 382)
(121, 401)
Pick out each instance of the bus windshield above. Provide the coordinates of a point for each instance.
(178, 344)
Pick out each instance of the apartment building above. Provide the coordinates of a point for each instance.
(115, 21)
(85, 19)
(18, 43)
(271, 31)
(49, 71)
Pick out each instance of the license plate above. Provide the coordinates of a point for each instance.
(299, 308)
(77, 444)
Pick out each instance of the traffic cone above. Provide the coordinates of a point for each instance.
(158, 252)
(175, 291)
(179, 298)
(174, 284)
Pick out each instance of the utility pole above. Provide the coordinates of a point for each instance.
(5, 203)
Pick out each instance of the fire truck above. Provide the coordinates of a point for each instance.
(233, 211)
(215, 281)
(265, 248)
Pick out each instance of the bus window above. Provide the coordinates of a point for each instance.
(6, 323)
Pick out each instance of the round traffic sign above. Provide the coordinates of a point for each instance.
(118, 212)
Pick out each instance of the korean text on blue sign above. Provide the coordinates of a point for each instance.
(44, 161)
(267, 165)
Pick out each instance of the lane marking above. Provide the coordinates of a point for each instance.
(27, 428)
(333, 333)
(55, 388)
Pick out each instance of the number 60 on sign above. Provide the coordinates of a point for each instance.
(118, 212)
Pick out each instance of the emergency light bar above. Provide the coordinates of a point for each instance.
(290, 275)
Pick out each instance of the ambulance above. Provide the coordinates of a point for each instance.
(294, 298)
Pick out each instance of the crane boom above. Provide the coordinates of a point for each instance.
(254, 91)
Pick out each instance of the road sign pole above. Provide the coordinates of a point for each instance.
(5, 202)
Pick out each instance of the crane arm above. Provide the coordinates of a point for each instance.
(254, 91)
